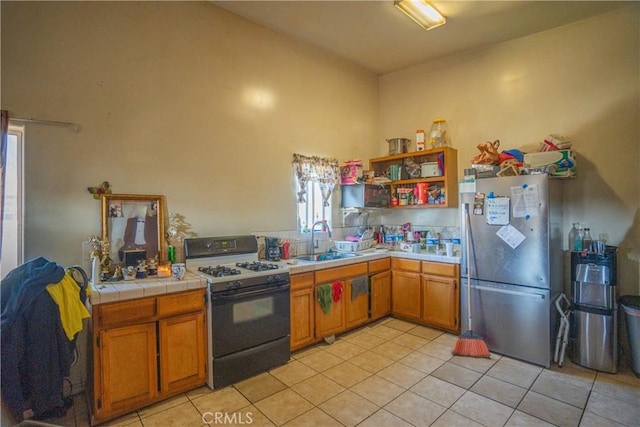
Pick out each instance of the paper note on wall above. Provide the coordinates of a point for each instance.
(511, 236)
(526, 201)
(498, 211)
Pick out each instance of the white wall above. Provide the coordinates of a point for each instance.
(187, 100)
(182, 99)
(581, 80)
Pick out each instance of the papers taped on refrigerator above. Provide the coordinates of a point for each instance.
(526, 200)
(498, 211)
(511, 236)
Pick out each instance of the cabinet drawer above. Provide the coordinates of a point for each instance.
(302, 280)
(133, 311)
(184, 302)
(440, 269)
(406, 264)
(379, 265)
(337, 273)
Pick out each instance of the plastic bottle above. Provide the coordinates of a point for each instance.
(420, 140)
(433, 240)
(577, 241)
(587, 240)
(572, 235)
(445, 237)
(455, 239)
(439, 136)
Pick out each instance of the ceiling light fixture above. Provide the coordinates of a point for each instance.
(421, 12)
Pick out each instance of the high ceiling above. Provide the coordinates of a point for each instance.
(379, 37)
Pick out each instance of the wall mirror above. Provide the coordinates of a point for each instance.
(133, 223)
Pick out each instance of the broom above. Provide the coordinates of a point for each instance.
(469, 343)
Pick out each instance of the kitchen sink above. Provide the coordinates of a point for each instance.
(326, 256)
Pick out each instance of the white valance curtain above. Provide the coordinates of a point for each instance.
(324, 171)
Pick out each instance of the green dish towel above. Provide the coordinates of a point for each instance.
(325, 295)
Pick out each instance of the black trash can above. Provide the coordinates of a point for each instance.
(631, 306)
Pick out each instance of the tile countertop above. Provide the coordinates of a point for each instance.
(128, 289)
(123, 290)
(298, 266)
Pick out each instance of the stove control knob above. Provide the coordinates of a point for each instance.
(228, 285)
(237, 284)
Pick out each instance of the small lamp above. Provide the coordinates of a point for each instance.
(421, 12)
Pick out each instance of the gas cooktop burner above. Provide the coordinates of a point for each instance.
(257, 266)
(219, 271)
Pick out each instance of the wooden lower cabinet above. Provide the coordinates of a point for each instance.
(427, 292)
(405, 294)
(182, 352)
(309, 323)
(332, 322)
(422, 291)
(337, 319)
(441, 295)
(440, 302)
(357, 309)
(380, 295)
(129, 373)
(146, 354)
(302, 315)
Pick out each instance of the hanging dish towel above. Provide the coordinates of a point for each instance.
(324, 297)
(359, 286)
(338, 287)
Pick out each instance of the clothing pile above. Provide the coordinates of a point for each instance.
(42, 310)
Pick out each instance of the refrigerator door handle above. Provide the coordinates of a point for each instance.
(505, 291)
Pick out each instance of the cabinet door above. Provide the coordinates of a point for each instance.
(440, 302)
(129, 369)
(380, 295)
(302, 317)
(357, 308)
(405, 294)
(332, 322)
(182, 352)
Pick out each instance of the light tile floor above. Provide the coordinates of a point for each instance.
(395, 373)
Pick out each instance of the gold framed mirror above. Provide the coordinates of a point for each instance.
(133, 223)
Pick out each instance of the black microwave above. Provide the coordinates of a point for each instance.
(365, 196)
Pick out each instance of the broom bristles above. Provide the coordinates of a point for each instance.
(472, 345)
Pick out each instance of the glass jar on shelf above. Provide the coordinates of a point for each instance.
(439, 135)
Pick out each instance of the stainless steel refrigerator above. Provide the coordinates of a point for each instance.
(514, 226)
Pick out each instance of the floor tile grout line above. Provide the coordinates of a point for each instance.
(529, 389)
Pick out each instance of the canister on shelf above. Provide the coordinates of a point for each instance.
(439, 136)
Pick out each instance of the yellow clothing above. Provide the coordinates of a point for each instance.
(66, 294)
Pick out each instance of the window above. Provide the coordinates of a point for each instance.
(313, 209)
(315, 179)
(12, 220)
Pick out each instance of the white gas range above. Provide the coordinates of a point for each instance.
(247, 307)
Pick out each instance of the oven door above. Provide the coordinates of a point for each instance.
(242, 320)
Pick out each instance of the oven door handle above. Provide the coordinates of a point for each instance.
(242, 295)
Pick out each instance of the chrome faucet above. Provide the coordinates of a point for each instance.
(313, 233)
